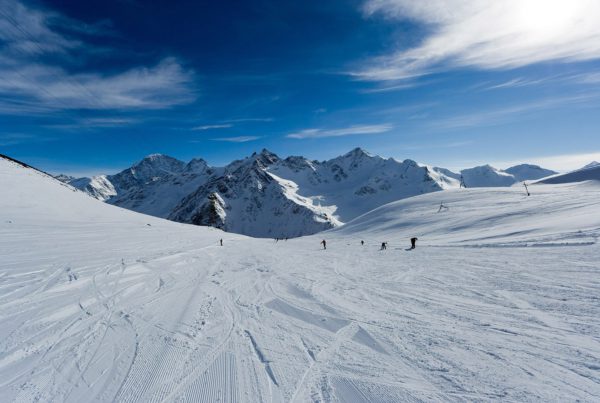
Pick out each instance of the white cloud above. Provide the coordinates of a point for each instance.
(347, 131)
(242, 120)
(31, 86)
(160, 86)
(90, 123)
(487, 34)
(210, 127)
(238, 139)
(517, 83)
(26, 30)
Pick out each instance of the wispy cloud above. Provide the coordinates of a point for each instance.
(491, 117)
(588, 78)
(237, 139)
(211, 127)
(97, 122)
(487, 35)
(11, 139)
(29, 85)
(346, 131)
(242, 120)
(516, 83)
(107, 122)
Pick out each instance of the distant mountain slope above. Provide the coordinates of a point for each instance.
(358, 182)
(587, 173)
(246, 199)
(267, 196)
(525, 172)
(487, 176)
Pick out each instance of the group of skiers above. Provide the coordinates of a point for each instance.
(413, 244)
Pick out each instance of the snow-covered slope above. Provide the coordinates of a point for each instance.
(527, 172)
(99, 187)
(487, 176)
(246, 199)
(480, 216)
(590, 172)
(358, 182)
(264, 195)
(97, 305)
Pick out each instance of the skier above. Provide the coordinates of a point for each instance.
(221, 241)
(324, 243)
(383, 245)
(413, 242)
(362, 243)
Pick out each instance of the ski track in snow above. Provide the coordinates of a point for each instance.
(116, 310)
(359, 329)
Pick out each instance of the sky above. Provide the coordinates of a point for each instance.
(90, 87)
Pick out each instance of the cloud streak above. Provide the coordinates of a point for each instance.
(486, 35)
(211, 127)
(496, 116)
(237, 139)
(346, 131)
(30, 85)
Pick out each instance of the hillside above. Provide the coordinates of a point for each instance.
(497, 301)
(590, 172)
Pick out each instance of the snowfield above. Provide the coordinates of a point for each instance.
(500, 300)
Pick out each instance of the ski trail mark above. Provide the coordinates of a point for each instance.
(262, 358)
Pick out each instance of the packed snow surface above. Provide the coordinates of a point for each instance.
(500, 300)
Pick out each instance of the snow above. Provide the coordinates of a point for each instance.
(98, 187)
(524, 172)
(498, 301)
(487, 176)
(590, 172)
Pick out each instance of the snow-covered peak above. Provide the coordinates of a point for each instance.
(357, 159)
(357, 153)
(593, 164)
(296, 163)
(410, 163)
(486, 176)
(196, 165)
(64, 178)
(99, 187)
(265, 157)
(159, 163)
(524, 172)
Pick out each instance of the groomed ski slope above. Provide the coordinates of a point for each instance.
(500, 300)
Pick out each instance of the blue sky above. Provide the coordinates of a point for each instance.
(89, 87)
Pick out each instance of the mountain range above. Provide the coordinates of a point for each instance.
(264, 195)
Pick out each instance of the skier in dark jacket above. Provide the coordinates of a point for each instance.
(383, 245)
(362, 243)
(221, 241)
(324, 243)
(413, 242)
